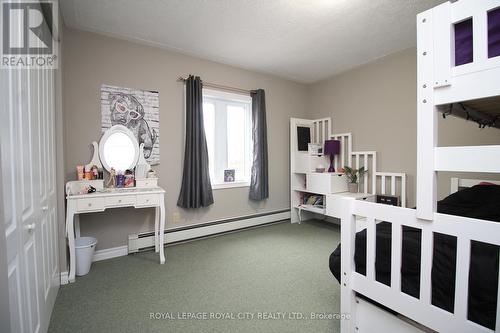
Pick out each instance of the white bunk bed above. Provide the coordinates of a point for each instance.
(440, 85)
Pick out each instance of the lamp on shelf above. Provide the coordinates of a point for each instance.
(332, 148)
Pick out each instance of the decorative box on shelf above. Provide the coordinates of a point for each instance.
(146, 182)
(326, 182)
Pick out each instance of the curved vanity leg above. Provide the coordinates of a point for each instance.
(157, 226)
(162, 230)
(70, 233)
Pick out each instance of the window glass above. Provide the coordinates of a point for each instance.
(227, 122)
(236, 124)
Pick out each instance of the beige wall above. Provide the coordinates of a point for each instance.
(91, 60)
(377, 104)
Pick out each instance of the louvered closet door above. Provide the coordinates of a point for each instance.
(28, 193)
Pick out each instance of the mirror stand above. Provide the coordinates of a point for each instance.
(142, 168)
(95, 157)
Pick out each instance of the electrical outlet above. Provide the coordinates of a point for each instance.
(388, 200)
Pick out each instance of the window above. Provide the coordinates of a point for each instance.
(228, 126)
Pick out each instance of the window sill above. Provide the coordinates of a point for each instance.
(222, 186)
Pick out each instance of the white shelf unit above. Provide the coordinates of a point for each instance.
(304, 179)
(302, 164)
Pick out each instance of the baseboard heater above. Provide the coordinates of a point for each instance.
(145, 240)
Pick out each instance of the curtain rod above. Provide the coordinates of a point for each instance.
(219, 86)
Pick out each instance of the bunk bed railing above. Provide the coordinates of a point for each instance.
(419, 309)
(477, 11)
(442, 81)
(440, 24)
(467, 159)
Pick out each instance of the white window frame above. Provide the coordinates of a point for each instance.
(220, 99)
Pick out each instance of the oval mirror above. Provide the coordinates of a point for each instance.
(118, 149)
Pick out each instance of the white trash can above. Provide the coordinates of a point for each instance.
(85, 247)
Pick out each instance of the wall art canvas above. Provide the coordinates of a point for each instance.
(138, 110)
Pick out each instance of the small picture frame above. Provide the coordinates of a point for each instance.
(229, 175)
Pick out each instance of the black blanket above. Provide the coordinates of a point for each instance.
(481, 202)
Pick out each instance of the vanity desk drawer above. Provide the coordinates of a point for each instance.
(147, 200)
(122, 200)
(90, 204)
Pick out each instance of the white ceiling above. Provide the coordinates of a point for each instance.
(302, 40)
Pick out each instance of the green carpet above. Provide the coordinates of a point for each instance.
(266, 273)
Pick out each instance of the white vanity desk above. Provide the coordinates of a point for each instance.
(114, 198)
(118, 148)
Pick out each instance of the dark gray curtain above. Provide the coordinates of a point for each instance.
(259, 183)
(196, 190)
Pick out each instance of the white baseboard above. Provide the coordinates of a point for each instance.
(112, 252)
(136, 242)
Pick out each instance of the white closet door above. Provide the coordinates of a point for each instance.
(27, 211)
(46, 194)
(12, 227)
(28, 192)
